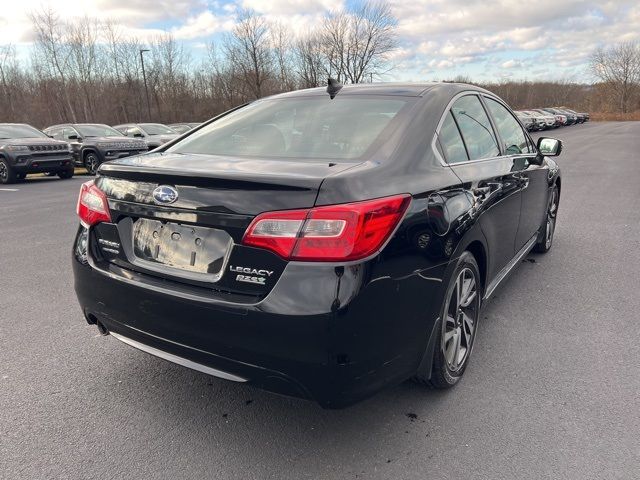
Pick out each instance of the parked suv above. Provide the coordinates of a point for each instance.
(322, 244)
(155, 134)
(24, 150)
(94, 143)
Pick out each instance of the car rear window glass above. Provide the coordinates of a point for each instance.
(451, 141)
(19, 131)
(515, 141)
(475, 128)
(307, 127)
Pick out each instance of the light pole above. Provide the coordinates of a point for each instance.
(144, 76)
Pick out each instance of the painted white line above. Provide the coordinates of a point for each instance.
(9, 190)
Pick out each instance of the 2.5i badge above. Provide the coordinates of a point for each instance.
(251, 275)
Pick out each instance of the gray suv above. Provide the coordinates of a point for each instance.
(24, 150)
(94, 143)
(155, 134)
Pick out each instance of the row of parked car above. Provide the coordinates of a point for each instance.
(538, 119)
(58, 149)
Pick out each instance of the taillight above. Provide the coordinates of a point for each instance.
(345, 232)
(92, 205)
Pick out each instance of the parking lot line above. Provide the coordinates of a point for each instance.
(9, 189)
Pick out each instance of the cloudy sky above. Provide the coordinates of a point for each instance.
(439, 39)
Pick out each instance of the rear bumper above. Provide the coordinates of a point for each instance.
(288, 344)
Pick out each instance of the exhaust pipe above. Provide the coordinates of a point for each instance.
(101, 328)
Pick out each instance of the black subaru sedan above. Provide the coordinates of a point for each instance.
(320, 244)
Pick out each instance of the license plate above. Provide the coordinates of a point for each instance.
(184, 247)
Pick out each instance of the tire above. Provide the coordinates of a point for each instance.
(65, 174)
(7, 174)
(455, 337)
(91, 162)
(548, 227)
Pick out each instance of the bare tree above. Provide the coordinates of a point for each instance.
(357, 44)
(8, 72)
(168, 74)
(310, 61)
(84, 52)
(52, 51)
(619, 68)
(248, 47)
(283, 55)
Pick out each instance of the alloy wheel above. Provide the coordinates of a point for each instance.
(461, 321)
(92, 163)
(4, 172)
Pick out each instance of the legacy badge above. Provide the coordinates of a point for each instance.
(251, 275)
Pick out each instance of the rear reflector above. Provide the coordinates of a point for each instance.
(345, 232)
(92, 205)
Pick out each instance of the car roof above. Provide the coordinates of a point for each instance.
(406, 89)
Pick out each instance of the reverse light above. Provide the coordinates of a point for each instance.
(92, 205)
(344, 232)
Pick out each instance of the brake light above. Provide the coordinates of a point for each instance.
(92, 205)
(345, 232)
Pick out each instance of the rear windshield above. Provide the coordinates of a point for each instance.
(308, 127)
(20, 131)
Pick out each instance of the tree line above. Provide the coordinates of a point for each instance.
(88, 70)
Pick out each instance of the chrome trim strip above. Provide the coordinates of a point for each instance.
(176, 359)
(509, 266)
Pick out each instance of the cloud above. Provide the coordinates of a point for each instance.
(440, 38)
(512, 64)
(202, 25)
(290, 7)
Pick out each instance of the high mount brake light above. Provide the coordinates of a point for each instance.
(92, 205)
(345, 232)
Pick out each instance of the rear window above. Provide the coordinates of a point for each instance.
(310, 127)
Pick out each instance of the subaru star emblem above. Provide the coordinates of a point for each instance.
(165, 194)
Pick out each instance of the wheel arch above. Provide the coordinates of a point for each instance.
(478, 250)
(87, 150)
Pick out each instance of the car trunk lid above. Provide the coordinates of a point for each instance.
(196, 239)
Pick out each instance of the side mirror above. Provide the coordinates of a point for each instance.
(550, 147)
(73, 137)
(138, 135)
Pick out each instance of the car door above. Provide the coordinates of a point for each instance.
(534, 179)
(486, 174)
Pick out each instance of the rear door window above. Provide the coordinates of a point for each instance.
(475, 127)
(515, 141)
(451, 141)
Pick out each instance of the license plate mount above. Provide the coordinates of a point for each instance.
(193, 249)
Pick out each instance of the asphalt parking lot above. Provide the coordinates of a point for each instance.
(552, 391)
